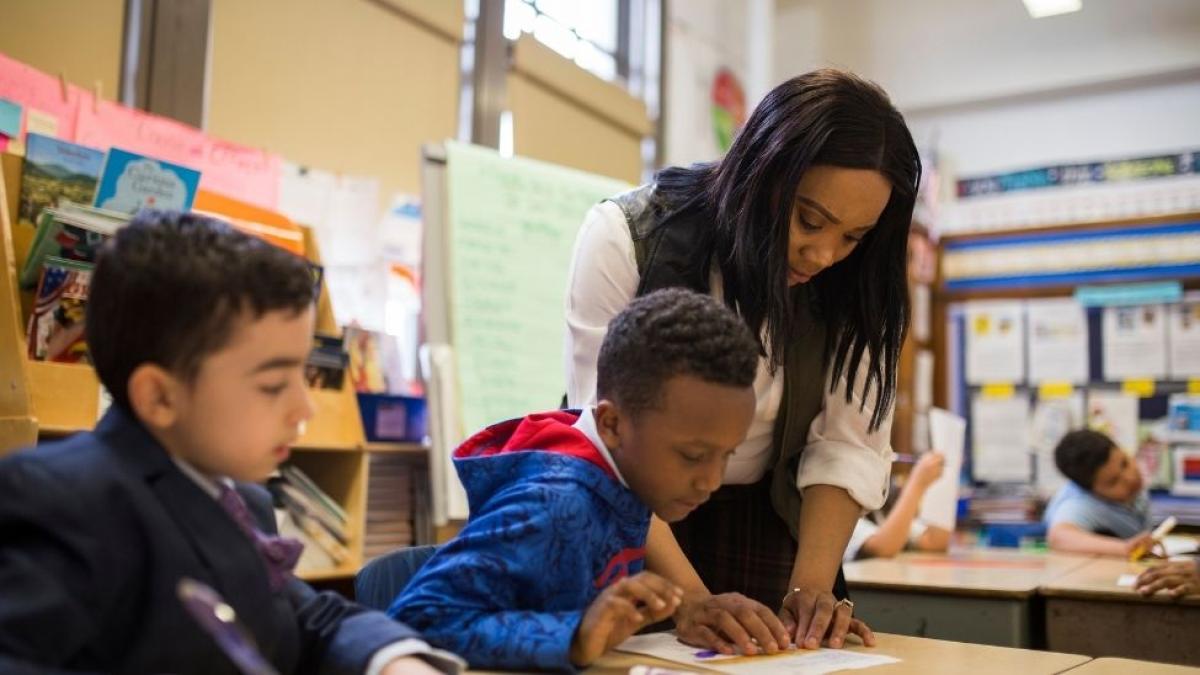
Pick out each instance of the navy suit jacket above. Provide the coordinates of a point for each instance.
(96, 532)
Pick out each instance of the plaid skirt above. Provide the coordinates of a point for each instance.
(738, 543)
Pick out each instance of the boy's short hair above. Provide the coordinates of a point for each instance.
(168, 287)
(672, 332)
(1081, 453)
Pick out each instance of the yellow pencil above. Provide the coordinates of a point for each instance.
(1156, 536)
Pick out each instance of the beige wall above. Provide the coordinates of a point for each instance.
(79, 38)
(342, 85)
(564, 114)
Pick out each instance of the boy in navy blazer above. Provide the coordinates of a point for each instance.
(200, 334)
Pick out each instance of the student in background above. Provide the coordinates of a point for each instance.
(1103, 508)
(200, 333)
(548, 572)
(901, 527)
(1178, 578)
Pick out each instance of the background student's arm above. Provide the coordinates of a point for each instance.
(893, 534)
(1070, 538)
(469, 597)
(934, 539)
(52, 564)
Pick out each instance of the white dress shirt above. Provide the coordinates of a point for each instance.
(839, 450)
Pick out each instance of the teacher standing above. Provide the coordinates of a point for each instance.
(802, 229)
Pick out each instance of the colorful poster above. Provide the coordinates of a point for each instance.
(130, 182)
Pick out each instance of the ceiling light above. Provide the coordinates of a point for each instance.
(1043, 8)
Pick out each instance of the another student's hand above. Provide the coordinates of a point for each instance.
(815, 617)
(729, 623)
(621, 610)
(409, 665)
(1176, 578)
(1143, 540)
(928, 469)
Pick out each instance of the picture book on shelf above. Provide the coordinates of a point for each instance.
(130, 181)
(56, 170)
(56, 324)
(70, 232)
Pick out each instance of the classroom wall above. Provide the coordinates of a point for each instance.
(563, 114)
(701, 37)
(79, 38)
(348, 86)
(994, 90)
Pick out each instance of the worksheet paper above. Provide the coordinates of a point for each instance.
(1115, 414)
(1183, 336)
(806, 662)
(1052, 419)
(1000, 439)
(995, 342)
(1057, 341)
(1135, 342)
(947, 435)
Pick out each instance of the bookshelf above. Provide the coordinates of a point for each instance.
(41, 400)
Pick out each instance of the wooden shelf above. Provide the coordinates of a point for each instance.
(51, 400)
(415, 449)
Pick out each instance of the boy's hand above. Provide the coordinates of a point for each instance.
(723, 622)
(928, 469)
(1150, 548)
(622, 610)
(1176, 578)
(409, 665)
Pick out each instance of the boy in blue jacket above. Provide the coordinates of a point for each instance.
(200, 333)
(548, 571)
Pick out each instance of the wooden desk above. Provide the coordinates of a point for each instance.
(1086, 612)
(1108, 666)
(917, 656)
(982, 596)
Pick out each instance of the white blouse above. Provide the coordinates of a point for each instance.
(839, 450)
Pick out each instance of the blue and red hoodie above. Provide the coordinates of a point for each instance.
(551, 526)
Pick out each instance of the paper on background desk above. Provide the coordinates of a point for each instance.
(1127, 580)
(801, 662)
(947, 433)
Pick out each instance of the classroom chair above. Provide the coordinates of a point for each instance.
(378, 583)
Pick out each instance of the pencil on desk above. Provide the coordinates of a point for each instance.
(1156, 536)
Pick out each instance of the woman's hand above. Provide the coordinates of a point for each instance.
(814, 617)
(730, 623)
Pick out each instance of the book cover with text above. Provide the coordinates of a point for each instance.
(130, 182)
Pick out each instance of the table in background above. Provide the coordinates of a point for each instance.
(982, 596)
(1087, 612)
(1107, 666)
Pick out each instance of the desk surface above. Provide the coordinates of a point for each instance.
(1097, 579)
(975, 572)
(917, 655)
(1126, 666)
(921, 655)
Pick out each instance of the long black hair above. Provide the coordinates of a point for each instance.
(826, 117)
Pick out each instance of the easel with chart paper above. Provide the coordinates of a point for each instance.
(498, 239)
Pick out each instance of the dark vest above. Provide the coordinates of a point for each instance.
(673, 248)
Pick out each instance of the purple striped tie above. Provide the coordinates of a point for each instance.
(278, 553)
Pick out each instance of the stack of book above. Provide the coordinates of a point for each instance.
(390, 504)
(305, 512)
(1003, 503)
